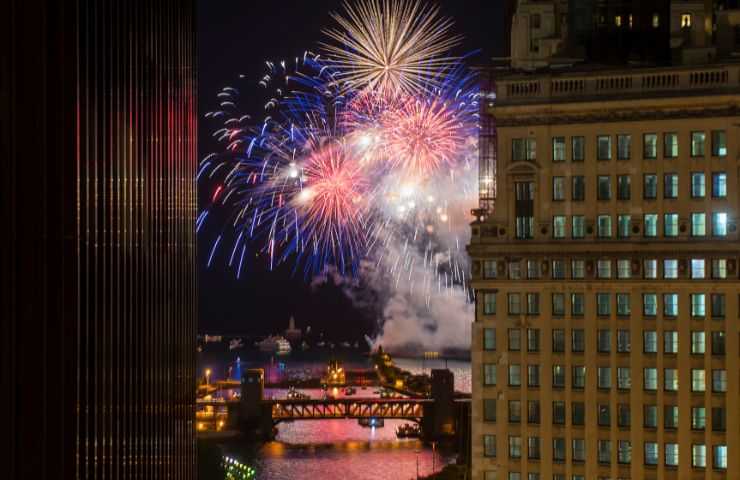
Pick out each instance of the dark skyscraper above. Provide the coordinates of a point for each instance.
(98, 141)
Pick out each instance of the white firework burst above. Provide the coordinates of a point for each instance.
(391, 46)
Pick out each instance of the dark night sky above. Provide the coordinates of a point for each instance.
(236, 37)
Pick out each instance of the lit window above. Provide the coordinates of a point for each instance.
(651, 268)
(719, 224)
(490, 269)
(671, 454)
(604, 226)
(670, 185)
(489, 374)
(698, 139)
(558, 149)
(697, 268)
(623, 304)
(719, 143)
(515, 375)
(719, 268)
(489, 441)
(624, 147)
(650, 187)
(604, 147)
(685, 20)
(604, 268)
(579, 226)
(698, 343)
(698, 380)
(489, 303)
(719, 185)
(670, 304)
(670, 224)
(670, 268)
(719, 381)
(489, 339)
(670, 379)
(656, 20)
(558, 226)
(698, 418)
(558, 188)
(649, 304)
(618, 20)
(699, 456)
(698, 185)
(578, 269)
(651, 453)
(698, 305)
(720, 456)
(650, 378)
(651, 225)
(624, 379)
(670, 145)
(698, 224)
(624, 269)
(650, 145)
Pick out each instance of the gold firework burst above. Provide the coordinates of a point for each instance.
(391, 46)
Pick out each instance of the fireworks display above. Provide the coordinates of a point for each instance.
(365, 158)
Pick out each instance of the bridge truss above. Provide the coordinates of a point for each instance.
(409, 409)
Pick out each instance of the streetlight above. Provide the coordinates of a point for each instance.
(208, 376)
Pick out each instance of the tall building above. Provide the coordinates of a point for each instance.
(606, 266)
(98, 141)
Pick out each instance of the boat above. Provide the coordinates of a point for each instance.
(274, 344)
(408, 430)
(235, 343)
(371, 422)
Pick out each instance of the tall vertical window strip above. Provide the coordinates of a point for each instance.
(558, 149)
(578, 145)
(558, 226)
(698, 185)
(719, 185)
(623, 226)
(650, 186)
(698, 140)
(651, 225)
(698, 224)
(670, 145)
(670, 185)
(650, 145)
(578, 190)
(624, 147)
(489, 303)
(578, 226)
(624, 187)
(558, 188)
(719, 143)
(604, 226)
(670, 224)
(719, 224)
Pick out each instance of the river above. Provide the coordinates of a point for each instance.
(330, 449)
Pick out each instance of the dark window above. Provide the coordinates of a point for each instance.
(524, 208)
(624, 187)
(579, 188)
(578, 413)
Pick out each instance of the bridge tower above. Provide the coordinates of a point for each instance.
(255, 417)
(439, 422)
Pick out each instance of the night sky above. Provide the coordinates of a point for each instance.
(237, 37)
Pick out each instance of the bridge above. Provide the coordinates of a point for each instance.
(403, 408)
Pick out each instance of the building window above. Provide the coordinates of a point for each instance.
(624, 187)
(623, 341)
(650, 378)
(604, 226)
(489, 303)
(604, 268)
(489, 374)
(670, 304)
(533, 448)
(533, 269)
(697, 143)
(515, 307)
(651, 453)
(558, 412)
(719, 419)
(718, 343)
(670, 145)
(650, 186)
(579, 226)
(489, 411)
(650, 145)
(558, 149)
(490, 269)
(670, 379)
(489, 339)
(670, 342)
(604, 453)
(698, 418)
(698, 343)
(515, 339)
(719, 268)
(670, 268)
(558, 226)
(649, 304)
(650, 341)
(624, 147)
(699, 456)
(671, 454)
(515, 411)
(579, 148)
(603, 147)
(558, 449)
(719, 457)
(533, 303)
(579, 378)
(579, 450)
(656, 20)
(624, 268)
(719, 224)
(578, 269)
(651, 225)
(533, 413)
(603, 341)
(604, 187)
(670, 225)
(698, 380)
(558, 376)
(558, 304)
(718, 305)
(604, 377)
(515, 375)
(603, 304)
(515, 447)
(719, 143)
(651, 268)
(515, 476)
(515, 270)
(670, 185)
(558, 188)
(719, 185)
(624, 452)
(489, 445)
(624, 378)
(650, 416)
(533, 339)
(719, 381)
(698, 305)
(524, 149)
(558, 269)
(623, 304)
(524, 209)
(577, 304)
(578, 412)
(579, 188)
(685, 20)
(698, 224)
(698, 185)
(558, 340)
(697, 268)
(578, 337)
